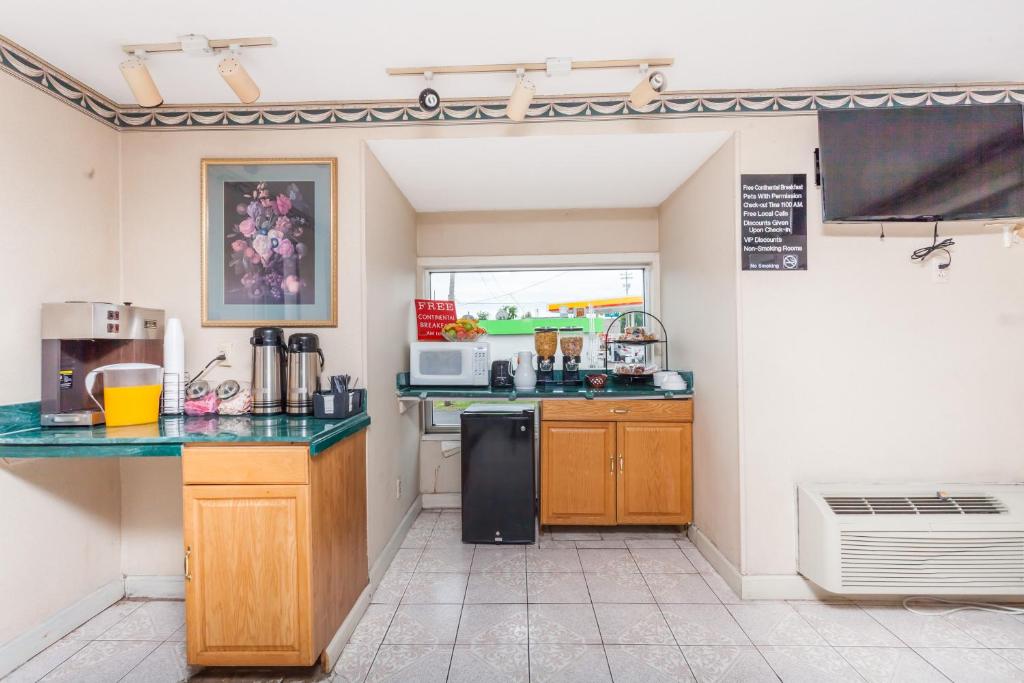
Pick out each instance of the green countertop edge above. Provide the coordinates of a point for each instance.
(19, 440)
(615, 391)
(349, 427)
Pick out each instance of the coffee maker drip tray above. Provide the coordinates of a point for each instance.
(75, 418)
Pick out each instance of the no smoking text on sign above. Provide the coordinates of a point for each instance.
(773, 221)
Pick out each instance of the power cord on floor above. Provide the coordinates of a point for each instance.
(957, 606)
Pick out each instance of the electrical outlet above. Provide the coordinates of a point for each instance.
(226, 349)
(940, 275)
(398, 488)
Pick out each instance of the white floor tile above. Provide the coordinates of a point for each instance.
(373, 625)
(632, 625)
(662, 561)
(46, 661)
(406, 559)
(918, 630)
(563, 624)
(492, 625)
(102, 661)
(809, 664)
(411, 664)
(728, 665)
(845, 625)
(424, 625)
(391, 588)
(627, 588)
(680, 588)
(890, 664)
(967, 665)
(157, 620)
(703, 625)
(647, 664)
(446, 559)
(496, 588)
(608, 561)
(93, 628)
(991, 629)
(436, 588)
(490, 663)
(166, 664)
(553, 560)
(641, 543)
(554, 587)
(354, 663)
(568, 664)
(774, 624)
(499, 559)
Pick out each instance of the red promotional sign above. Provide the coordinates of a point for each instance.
(431, 316)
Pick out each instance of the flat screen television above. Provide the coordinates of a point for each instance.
(934, 163)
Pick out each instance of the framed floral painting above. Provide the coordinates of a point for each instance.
(269, 240)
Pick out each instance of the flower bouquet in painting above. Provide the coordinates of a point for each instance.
(269, 243)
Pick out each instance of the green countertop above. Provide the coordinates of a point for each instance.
(613, 390)
(22, 437)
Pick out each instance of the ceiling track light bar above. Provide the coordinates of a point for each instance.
(527, 66)
(214, 45)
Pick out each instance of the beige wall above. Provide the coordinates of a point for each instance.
(519, 233)
(59, 539)
(391, 282)
(862, 368)
(697, 233)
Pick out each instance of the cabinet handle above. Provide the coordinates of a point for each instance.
(622, 464)
(611, 463)
(620, 411)
(188, 572)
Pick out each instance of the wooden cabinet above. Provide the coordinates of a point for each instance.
(655, 482)
(272, 568)
(616, 462)
(577, 472)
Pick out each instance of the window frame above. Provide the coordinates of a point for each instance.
(648, 262)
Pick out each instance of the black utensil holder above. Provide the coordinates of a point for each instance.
(332, 406)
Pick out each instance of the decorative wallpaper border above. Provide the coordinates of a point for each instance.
(29, 68)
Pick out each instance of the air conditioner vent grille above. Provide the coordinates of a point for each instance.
(916, 505)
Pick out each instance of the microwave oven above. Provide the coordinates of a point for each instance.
(450, 363)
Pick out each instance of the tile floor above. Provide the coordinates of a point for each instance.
(625, 605)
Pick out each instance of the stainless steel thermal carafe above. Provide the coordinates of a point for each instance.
(268, 370)
(305, 363)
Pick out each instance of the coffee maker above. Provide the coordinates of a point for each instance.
(80, 336)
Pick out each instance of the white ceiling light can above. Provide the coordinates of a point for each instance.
(648, 88)
(522, 95)
(141, 82)
(235, 75)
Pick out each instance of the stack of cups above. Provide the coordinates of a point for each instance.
(173, 402)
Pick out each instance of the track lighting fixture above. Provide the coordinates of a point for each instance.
(429, 99)
(522, 95)
(140, 81)
(648, 88)
(652, 84)
(230, 68)
(235, 75)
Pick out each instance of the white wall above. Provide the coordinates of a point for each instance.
(393, 439)
(697, 234)
(59, 539)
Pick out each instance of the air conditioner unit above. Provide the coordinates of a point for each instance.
(913, 539)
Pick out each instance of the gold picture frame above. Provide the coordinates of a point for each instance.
(250, 277)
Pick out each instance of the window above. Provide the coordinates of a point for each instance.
(510, 303)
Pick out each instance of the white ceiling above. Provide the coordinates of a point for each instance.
(338, 50)
(544, 172)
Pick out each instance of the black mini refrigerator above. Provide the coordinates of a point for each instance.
(498, 504)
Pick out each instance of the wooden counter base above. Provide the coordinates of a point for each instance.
(604, 463)
(275, 550)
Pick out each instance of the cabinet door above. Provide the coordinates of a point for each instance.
(247, 594)
(577, 478)
(655, 483)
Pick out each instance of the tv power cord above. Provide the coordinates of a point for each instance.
(955, 606)
(924, 252)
